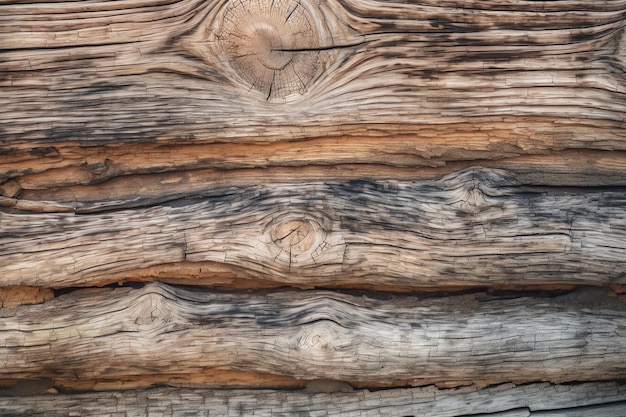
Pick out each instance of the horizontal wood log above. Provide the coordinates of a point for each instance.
(540, 400)
(104, 333)
(433, 82)
(476, 227)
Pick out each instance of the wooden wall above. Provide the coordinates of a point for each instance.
(297, 207)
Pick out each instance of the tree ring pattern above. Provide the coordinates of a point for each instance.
(273, 45)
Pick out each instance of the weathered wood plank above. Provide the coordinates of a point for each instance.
(125, 176)
(104, 333)
(475, 227)
(580, 400)
(433, 82)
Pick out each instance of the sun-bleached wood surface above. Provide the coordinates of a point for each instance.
(541, 400)
(476, 227)
(224, 84)
(456, 340)
(258, 144)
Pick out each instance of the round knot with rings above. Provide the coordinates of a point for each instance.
(272, 45)
(295, 236)
(319, 339)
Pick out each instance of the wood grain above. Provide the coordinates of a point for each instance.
(475, 227)
(379, 145)
(342, 82)
(124, 176)
(582, 400)
(311, 335)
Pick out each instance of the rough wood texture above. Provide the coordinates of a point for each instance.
(432, 81)
(15, 296)
(83, 184)
(308, 335)
(476, 227)
(540, 400)
(205, 379)
(214, 142)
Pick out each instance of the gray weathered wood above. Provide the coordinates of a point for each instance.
(535, 400)
(311, 334)
(475, 227)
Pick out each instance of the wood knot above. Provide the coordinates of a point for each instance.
(295, 236)
(319, 339)
(273, 46)
(300, 240)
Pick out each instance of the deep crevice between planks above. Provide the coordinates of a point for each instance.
(582, 292)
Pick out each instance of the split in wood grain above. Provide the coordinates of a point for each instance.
(215, 275)
(206, 379)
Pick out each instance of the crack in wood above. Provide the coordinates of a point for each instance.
(322, 48)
